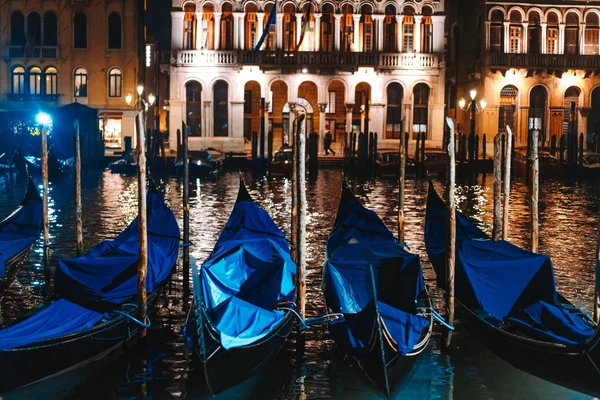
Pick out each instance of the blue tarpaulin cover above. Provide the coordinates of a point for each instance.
(503, 280)
(249, 272)
(358, 242)
(19, 230)
(101, 280)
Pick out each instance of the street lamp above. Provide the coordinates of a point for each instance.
(473, 108)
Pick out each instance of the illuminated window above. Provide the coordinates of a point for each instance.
(552, 40)
(331, 103)
(572, 34)
(221, 109)
(193, 106)
(515, 39)
(420, 109)
(507, 112)
(80, 82)
(427, 28)
(408, 29)
(115, 83)
(18, 80)
(394, 111)
(51, 78)
(35, 80)
(592, 28)
(497, 32)
(189, 26)
(111, 132)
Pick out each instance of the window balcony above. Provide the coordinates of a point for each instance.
(542, 61)
(37, 52)
(350, 61)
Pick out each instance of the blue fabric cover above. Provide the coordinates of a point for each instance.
(107, 275)
(358, 242)
(60, 318)
(102, 279)
(248, 273)
(501, 279)
(553, 323)
(19, 230)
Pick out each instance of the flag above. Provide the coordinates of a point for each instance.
(270, 23)
(305, 26)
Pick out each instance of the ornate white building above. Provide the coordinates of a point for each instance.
(387, 52)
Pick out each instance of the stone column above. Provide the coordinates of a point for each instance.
(337, 31)
(376, 124)
(321, 132)
(584, 112)
(506, 36)
(525, 47)
(581, 40)
(561, 38)
(399, 19)
(417, 33)
(279, 34)
(242, 31)
(199, 31)
(237, 27)
(317, 31)
(176, 115)
(487, 36)
(177, 31)
(266, 137)
(207, 121)
(349, 108)
(439, 22)
(544, 44)
(379, 27)
(260, 22)
(356, 32)
(217, 31)
(298, 26)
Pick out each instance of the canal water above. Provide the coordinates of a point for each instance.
(162, 368)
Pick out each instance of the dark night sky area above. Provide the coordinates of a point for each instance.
(158, 22)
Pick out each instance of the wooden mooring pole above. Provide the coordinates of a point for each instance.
(78, 221)
(301, 222)
(401, 181)
(497, 229)
(535, 175)
(46, 192)
(186, 215)
(451, 238)
(506, 192)
(597, 282)
(142, 220)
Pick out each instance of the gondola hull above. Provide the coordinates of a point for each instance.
(226, 369)
(12, 266)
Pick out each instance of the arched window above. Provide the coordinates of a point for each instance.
(535, 33)
(394, 111)
(420, 109)
(114, 31)
(552, 33)
(250, 26)
(50, 29)
(497, 32)
(538, 103)
(18, 80)
(34, 29)
(507, 112)
(227, 27)
(189, 26)
(516, 32)
(408, 30)
(115, 82)
(221, 108)
(327, 28)
(390, 33)
(80, 82)
(35, 80)
(80, 31)
(592, 28)
(17, 29)
(289, 27)
(51, 81)
(347, 34)
(427, 31)
(571, 97)
(366, 26)
(208, 26)
(572, 34)
(193, 107)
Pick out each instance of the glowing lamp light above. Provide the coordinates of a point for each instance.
(151, 99)
(140, 90)
(304, 70)
(43, 118)
(473, 94)
(483, 104)
(128, 99)
(462, 103)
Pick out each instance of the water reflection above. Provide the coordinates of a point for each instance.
(163, 368)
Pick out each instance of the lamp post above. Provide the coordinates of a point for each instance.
(473, 108)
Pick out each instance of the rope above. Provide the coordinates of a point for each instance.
(302, 322)
(323, 318)
(131, 317)
(441, 319)
(189, 244)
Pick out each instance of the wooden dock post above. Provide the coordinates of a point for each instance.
(78, 221)
(580, 152)
(261, 146)
(142, 221)
(46, 192)
(294, 221)
(300, 217)
(417, 152)
(401, 181)
(497, 229)
(597, 282)
(484, 148)
(535, 175)
(506, 192)
(451, 238)
(186, 215)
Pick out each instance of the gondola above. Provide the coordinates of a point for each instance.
(244, 295)
(388, 163)
(95, 316)
(33, 165)
(509, 298)
(18, 233)
(378, 286)
(282, 163)
(203, 164)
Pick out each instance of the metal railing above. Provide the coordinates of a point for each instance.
(565, 61)
(41, 52)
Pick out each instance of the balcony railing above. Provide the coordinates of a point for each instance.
(325, 60)
(32, 97)
(41, 52)
(542, 61)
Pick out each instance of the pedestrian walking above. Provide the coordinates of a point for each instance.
(327, 142)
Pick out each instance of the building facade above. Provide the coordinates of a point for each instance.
(57, 52)
(339, 62)
(532, 61)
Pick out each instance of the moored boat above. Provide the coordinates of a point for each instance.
(244, 296)
(203, 163)
(549, 165)
(509, 298)
(378, 286)
(590, 167)
(94, 317)
(388, 163)
(282, 163)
